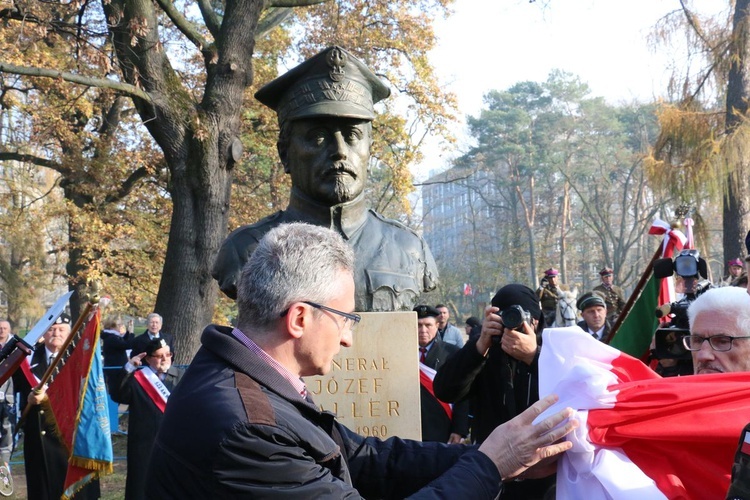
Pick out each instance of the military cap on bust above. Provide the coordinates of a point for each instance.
(330, 83)
(154, 345)
(606, 271)
(590, 299)
(63, 319)
(551, 272)
(424, 311)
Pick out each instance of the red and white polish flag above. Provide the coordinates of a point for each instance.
(641, 436)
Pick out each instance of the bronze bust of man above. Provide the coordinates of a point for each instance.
(325, 110)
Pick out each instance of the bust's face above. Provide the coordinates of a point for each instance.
(327, 158)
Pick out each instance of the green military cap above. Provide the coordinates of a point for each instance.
(330, 83)
(590, 299)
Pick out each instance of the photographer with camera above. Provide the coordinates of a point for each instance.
(498, 372)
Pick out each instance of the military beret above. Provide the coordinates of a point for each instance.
(424, 311)
(63, 319)
(735, 262)
(590, 299)
(606, 271)
(551, 272)
(154, 345)
(473, 321)
(330, 83)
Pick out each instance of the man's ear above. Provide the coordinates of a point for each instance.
(282, 149)
(297, 319)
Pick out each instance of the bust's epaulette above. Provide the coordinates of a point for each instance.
(393, 222)
(257, 229)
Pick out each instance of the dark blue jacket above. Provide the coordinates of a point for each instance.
(234, 428)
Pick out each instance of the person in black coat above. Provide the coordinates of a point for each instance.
(146, 411)
(45, 457)
(440, 421)
(498, 372)
(154, 323)
(115, 343)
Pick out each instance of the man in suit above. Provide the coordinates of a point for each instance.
(593, 308)
(45, 456)
(144, 383)
(440, 421)
(153, 331)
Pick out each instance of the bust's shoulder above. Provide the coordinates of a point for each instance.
(253, 233)
(394, 228)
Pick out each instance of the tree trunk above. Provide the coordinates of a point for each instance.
(196, 139)
(187, 292)
(736, 219)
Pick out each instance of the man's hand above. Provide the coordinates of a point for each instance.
(521, 345)
(492, 326)
(518, 444)
(137, 360)
(36, 396)
(455, 438)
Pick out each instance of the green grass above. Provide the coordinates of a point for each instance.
(112, 485)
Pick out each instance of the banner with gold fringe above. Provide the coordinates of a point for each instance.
(78, 402)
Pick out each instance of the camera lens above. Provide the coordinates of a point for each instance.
(512, 317)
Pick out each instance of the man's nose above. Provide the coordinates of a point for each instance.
(705, 353)
(340, 147)
(346, 338)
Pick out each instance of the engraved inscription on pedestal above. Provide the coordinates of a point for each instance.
(373, 387)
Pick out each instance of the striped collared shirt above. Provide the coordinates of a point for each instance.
(297, 383)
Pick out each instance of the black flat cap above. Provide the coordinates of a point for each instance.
(424, 311)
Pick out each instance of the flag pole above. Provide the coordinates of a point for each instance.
(635, 295)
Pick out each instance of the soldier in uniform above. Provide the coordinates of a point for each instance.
(549, 293)
(325, 110)
(736, 270)
(613, 295)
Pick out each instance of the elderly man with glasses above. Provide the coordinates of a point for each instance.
(719, 331)
(719, 341)
(144, 384)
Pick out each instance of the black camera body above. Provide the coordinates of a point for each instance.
(514, 317)
(668, 336)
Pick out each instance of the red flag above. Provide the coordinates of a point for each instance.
(77, 400)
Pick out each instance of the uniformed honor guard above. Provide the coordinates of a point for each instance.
(325, 110)
(549, 294)
(613, 295)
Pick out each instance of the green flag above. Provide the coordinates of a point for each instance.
(635, 333)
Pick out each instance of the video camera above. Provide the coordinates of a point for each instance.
(689, 265)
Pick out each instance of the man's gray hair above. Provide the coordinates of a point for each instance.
(154, 315)
(730, 299)
(292, 263)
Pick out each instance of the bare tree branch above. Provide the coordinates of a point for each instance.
(127, 186)
(33, 159)
(185, 26)
(273, 17)
(212, 20)
(294, 3)
(105, 83)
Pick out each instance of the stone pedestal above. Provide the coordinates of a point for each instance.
(373, 386)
